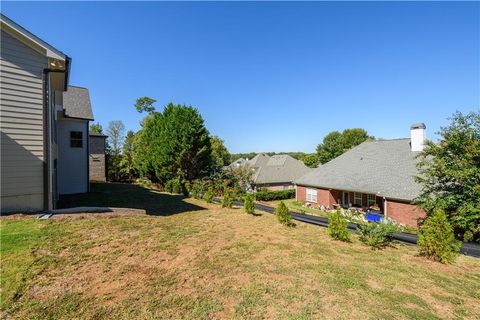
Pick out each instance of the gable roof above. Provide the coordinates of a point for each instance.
(382, 167)
(76, 103)
(259, 160)
(237, 163)
(280, 168)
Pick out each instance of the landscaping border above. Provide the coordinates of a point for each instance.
(468, 249)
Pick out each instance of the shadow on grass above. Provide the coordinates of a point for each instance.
(129, 196)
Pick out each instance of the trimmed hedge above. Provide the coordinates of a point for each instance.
(275, 195)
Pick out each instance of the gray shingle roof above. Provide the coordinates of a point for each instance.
(382, 167)
(276, 169)
(259, 160)
(76, 102)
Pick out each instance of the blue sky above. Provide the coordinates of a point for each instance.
(271, 76)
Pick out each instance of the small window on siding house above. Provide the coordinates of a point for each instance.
(371, 199)
(311, 195)
(76, 139)
(357, 199)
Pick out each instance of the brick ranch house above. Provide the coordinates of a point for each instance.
(273, 173)
(379, 172)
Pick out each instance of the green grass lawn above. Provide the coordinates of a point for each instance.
(187, 259)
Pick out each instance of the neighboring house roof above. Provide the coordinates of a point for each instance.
(276, 169)
(259, 160)
(382, 167)
(100, 135)
(237, 163)
(76, 102)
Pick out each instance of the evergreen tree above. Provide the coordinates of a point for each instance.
(220, 154)
(96, 128)
(249, 204)
(436, 239)
(174, 144)
(283, 214)
(127, 168)
(338, 227)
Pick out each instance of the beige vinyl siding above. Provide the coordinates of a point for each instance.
(21, 112)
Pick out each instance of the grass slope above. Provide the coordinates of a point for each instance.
(217, 263)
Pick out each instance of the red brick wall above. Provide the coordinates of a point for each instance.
(404, 213)
(301, 194)
(324, 197)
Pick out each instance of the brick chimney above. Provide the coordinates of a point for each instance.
(417, 136)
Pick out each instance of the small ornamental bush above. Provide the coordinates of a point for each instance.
(208, 196)
(227, 200)
(195, 189)
(275, 195)
(338, 227)
(176, 186)
(187, 188)
(249, 204)
(376, 235)
(436, 239)
(144, 182)
(283, 215)
(169, 186)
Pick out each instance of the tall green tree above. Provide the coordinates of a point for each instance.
(143, 140)
(336, 143)
(311, 160)
(127, 168)
(449, 173)
(220, 154)
(116, 133)
(145, 104)
(174, 144)
(96, 128)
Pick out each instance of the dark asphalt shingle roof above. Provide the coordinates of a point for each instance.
(76, 102)
(383, 167)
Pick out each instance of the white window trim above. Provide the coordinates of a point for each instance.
(369, 201)
(355, 198)
(311, 195)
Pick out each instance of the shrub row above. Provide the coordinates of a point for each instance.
(275, 195)
(436, 239)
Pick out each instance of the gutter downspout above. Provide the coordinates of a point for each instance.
(385, 207)
(88, 156)
(48, 202)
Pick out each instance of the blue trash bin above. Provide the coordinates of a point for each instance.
(373, 216)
